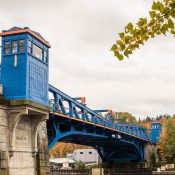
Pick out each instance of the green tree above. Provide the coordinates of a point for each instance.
(165, 116)
(148, 119)
(152, 160)
(161, 21)
(80, 165)
(167, 142)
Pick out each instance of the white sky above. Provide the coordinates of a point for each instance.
(81, 33)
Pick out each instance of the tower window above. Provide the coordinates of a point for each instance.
(29, 47)
(21, 46)
(14, 46)
(37, 51)
(45, 57)
(7, 47)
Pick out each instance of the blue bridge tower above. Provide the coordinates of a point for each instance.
(156, 129)
(24, 69)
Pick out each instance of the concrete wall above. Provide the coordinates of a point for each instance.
(22, 154)
(149, 151)
(3, 141)
(23, 141)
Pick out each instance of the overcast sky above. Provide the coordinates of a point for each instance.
(81, 33)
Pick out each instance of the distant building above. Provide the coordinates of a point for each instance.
(62, 162)
(86, 156)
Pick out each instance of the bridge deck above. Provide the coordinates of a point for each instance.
(98, 125)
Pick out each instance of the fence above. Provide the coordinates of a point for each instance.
(71, 172)
(105, 172)
(133, 171)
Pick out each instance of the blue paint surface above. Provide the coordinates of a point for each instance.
(24, 76)
(156, 129)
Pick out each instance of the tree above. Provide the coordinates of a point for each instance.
(148, 119)
(80, 165)
(61, 149)
(160, 22)
(167, 142)
(165, 116)
(152, 159)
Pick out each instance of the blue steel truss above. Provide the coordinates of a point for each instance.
(71, 121)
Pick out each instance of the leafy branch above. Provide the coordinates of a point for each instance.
(160, 22)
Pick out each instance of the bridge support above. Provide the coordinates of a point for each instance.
(23, 138)
(151, 155)
(105, 154)
(121, 154)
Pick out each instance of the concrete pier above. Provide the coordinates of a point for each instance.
(23, 138)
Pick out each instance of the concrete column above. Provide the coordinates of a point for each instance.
(23, 145)
(43, 156)
(3, 141)
(150, 151)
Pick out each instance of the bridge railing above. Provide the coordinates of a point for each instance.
(66, 105)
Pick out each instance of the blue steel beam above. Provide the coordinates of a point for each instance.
(89, 115)
(76, 123)
(96, 137)
(103, 110)
(82, 99)
(66, 97)
(108, 115)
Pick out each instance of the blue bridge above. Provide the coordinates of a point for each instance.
(73, 122)
(24, 75)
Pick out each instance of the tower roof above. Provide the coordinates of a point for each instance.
(18, 30)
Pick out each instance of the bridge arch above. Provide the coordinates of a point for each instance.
(15, 117)
(102, 144)
(39, 126)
